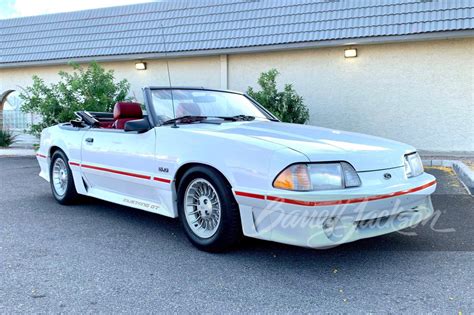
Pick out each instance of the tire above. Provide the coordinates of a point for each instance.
(223, 231)
(68, 194)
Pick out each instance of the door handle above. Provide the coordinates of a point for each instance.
(89, 140)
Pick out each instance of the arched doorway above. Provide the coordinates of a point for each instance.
(3, 99)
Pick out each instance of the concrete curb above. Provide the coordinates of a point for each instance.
(17, 152)
(464, 173)
(446, 163)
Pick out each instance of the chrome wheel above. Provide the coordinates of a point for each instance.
(60, 176)
(202, 208)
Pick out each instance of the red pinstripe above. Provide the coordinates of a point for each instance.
(104, 169)
(335, 202)
(164, 180)
(246, 194)
(116, 172)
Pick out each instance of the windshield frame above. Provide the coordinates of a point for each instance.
(148, 91)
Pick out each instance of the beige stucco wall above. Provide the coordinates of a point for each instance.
(198, 71)
(420, 93)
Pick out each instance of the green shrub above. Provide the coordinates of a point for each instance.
(287, 105)
(6, 138)
(92, 89)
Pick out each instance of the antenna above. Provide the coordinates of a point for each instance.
(168, 69)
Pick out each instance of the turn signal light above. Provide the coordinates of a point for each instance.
(295, 177)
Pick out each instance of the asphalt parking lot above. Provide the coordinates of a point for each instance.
(100, 257)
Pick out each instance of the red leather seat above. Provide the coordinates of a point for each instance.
(126, 111)
(188, 109)
(106, 124)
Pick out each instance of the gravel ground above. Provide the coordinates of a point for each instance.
(100, 257)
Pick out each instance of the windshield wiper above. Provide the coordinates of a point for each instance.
(237, 118)
(188, 119)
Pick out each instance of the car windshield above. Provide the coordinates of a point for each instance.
(189, 102)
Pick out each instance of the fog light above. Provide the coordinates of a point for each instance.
(329, 225)
(334, 229)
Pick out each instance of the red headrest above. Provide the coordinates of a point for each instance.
(127, 110)
(185, 109)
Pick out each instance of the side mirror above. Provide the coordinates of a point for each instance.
(138, 125)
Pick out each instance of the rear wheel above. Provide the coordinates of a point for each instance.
(208, 210)
(62, 183)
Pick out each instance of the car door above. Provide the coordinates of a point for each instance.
(121, 163)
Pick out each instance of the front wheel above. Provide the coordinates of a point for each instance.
(60, 177)
(208, 210)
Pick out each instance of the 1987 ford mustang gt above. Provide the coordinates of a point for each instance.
(226, 166)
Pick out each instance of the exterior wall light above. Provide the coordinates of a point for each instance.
(140, 65)
(350, 53)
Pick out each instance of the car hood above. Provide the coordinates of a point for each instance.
(365, 153)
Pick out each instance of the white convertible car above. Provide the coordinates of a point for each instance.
(227, 167)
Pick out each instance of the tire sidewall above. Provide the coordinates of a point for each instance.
(228, 207)
(70, 192)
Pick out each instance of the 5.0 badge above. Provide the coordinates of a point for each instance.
(163, 169)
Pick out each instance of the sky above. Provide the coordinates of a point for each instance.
(19, 8)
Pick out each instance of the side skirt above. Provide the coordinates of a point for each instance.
(128, 201)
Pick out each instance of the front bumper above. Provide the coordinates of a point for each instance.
(327, 223)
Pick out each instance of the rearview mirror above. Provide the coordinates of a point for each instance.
(138, 125)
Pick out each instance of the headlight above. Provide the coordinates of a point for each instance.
(317, 176)
(413, 165)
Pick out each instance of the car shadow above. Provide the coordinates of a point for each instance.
(153, 237)
(425, 237)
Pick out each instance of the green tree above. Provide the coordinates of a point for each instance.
(92, 89)
(287, 105)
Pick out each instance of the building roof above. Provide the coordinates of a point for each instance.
(207, 27)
